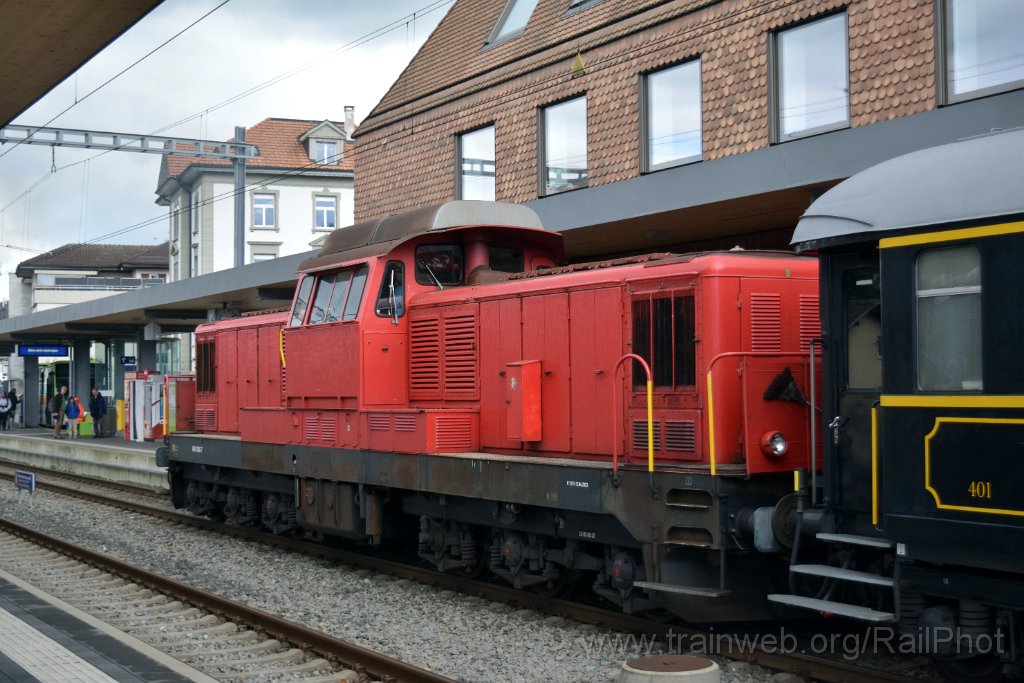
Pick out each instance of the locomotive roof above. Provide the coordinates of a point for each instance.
(376, 237)
(962, 181)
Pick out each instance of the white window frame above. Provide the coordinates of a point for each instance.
(260, 211)
(327, 159)
(316, 211)
(266, 251)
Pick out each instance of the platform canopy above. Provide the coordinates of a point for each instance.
(956, 183)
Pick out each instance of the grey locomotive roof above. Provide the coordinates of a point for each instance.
(376, 237)
(961, 181)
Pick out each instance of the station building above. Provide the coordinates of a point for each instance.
(684, 124)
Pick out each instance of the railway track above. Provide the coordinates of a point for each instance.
(808, 666)
(224, 639)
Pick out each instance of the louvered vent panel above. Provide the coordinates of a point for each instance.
(680, 436)
(380, 423)
(460, 359)
(405, 423)
(765, 322)
(640, 435)
(424, 357)
(329, 429)
(810, 320)
(453, 434)
(311, 428)
(206, 419)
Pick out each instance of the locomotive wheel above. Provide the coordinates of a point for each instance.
(557, 587)
(980, 669)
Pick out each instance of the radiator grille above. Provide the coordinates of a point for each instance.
(405, 423)
(206, 419)
(380, 422)
(810, 320)
(640, 435)
(425, 358)
(453, 434)
(681, 436)
(765, 322)
(320, 428)
(460, 354)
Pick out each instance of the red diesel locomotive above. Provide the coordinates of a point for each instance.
(443, 380)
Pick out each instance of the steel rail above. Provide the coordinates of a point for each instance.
(806, 665)
(334, 649)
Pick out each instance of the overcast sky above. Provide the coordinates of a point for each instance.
(240, 45)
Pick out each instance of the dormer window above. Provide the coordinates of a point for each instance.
(325, 143)
(326, 152)
(513, 19)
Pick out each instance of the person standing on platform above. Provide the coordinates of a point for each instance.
(13, 396)
(98, 409)
(57, 410)
(5, 410)
(75, 414)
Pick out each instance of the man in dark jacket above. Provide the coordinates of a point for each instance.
(97, 408)
(57, 404)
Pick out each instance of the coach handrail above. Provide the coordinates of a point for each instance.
(650, 412)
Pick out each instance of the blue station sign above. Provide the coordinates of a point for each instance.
(25, 481)
(35, 350)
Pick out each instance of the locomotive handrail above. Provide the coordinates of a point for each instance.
(650, 412)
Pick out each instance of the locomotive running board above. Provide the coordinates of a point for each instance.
(851, 539)
(842, 574)
(682, 590)
(828, 606)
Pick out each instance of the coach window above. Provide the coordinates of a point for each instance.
(664, 336)
(811, 75)
(391, 298)
(439, 265)
(301, 300)
(949, 319)
(982, 53)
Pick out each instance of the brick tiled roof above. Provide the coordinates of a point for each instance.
(101, 257)
(457, 51)
(279, 145)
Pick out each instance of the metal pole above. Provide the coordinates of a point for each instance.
(239, 166)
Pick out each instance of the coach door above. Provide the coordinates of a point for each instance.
(854, 369)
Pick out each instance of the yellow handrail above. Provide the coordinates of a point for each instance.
(650, 412)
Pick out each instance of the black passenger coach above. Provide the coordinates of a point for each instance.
(920, 517)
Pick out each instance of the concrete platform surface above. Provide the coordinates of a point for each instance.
(45, 639)
(110, 458)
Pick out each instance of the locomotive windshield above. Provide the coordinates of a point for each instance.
(337, 297)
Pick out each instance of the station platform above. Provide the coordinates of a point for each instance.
(111, 458)
(45, 639)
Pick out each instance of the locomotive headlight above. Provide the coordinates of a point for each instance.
(773, 444)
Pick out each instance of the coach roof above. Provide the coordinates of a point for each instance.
(959, 182)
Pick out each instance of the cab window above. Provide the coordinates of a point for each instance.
(391, 298)
(439, 264)
(506, 259)
(301, 301)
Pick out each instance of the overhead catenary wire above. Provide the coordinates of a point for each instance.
(203, 115)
